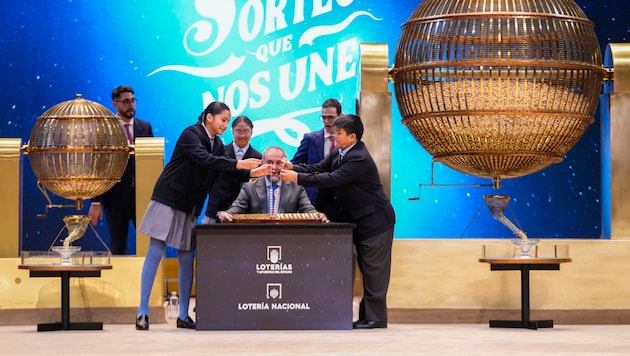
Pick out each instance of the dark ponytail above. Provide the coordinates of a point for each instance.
(214, 108)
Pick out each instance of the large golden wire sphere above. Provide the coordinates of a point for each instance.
(78, 149)
(497, 88)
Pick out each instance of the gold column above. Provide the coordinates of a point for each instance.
(10, 191)
(375, 107)
(149, 153)
(619, 107)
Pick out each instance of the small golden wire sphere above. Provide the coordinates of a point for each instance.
(497, 88)
(78, 149)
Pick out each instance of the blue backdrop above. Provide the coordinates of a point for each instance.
(276, 65)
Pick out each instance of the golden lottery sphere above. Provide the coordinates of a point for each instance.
(497, 88)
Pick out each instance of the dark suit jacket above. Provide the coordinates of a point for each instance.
(311, 150)
(227, 186)
(123, 193)
(359, 192)
(184, 183)
(253, 199)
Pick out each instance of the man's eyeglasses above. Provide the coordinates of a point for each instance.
(127, 101)
(328, 117)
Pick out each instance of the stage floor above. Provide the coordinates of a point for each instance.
(405, 339)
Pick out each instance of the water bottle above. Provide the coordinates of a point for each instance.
(173, 306)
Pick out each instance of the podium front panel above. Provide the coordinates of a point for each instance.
(274, 276)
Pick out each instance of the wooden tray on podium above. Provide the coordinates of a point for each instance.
(285, 218)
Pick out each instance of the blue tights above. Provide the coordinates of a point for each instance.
(149, 269)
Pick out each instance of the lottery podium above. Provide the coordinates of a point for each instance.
(274, 276)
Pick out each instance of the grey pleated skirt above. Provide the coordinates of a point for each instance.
(172, 226)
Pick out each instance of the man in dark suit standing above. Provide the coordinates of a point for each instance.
(315, 146)
(118, 204)
(268, 195)
(363, 202)
(227, 185)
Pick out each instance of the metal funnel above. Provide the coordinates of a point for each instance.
(497, 205)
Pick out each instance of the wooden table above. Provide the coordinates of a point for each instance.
(524, 265)
(65, 272)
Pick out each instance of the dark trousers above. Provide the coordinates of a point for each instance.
(117, 220)
(374, 258)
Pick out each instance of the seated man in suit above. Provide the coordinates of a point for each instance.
(269, 195)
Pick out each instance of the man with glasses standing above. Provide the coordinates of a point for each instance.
(118, 204)
(314, 147)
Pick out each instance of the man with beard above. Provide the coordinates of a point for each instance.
(269, 195)
(118, 204)
(313, 148)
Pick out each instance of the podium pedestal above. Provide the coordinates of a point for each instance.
(274, 276)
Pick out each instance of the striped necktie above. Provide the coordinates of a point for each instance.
(272, 199)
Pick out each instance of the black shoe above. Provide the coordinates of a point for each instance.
(186, 324)
(369, 324)
(142, 323)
